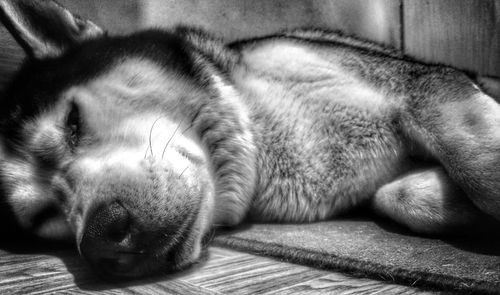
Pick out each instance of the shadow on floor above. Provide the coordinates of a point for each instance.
(83, 276)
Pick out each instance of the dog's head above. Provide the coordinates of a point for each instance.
(95, 142)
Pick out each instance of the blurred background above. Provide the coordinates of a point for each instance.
(462, 33)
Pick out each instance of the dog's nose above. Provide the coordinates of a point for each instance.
(108, 241)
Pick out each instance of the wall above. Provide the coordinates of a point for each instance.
(464, 33)
(377, 20)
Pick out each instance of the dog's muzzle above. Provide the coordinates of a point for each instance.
(116, 246)
(109, 242)
(141, 223)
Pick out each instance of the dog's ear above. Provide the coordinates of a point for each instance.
(44, 28)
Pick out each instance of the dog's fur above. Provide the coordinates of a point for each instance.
(139, 145)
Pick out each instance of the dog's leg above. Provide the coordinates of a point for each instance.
(459, 125)
(428, 202)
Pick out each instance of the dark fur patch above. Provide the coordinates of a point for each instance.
(39, 82)
(8, 223)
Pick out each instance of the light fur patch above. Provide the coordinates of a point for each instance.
(234, 189)
(477, 120)
(282, 70)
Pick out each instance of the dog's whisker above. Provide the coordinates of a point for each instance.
(195, 117)
(180, 175)
(150, 141)
(189, 127)
(173, 134)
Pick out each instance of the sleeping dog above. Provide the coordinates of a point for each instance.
(137, 146)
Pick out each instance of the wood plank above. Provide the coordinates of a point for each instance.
(262, 279)
(225, 272)
(168, 287)
(462, 33)
(42, 283)
(219, 253)
(337, 283)
(219, 269)
(249, 274)
(26, 266)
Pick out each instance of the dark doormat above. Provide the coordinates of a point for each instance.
(378, 250)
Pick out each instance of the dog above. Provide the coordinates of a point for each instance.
(137, 146)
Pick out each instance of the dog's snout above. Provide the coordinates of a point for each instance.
(109, 242)
(111, 222)
(129, 231)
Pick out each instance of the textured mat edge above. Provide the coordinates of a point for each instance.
(329, 261)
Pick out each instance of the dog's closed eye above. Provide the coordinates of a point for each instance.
(73, 125)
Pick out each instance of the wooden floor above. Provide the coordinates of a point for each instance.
(224, 272)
